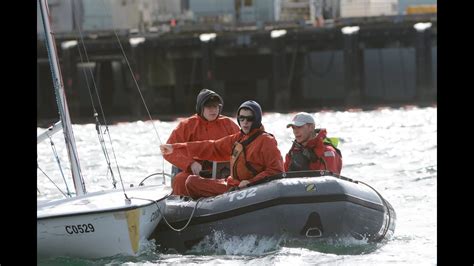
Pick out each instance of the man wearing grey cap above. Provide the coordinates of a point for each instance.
(311, 149)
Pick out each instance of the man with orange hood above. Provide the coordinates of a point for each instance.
(253, 154)
(206, 124)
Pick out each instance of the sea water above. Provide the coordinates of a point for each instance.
(392, 149)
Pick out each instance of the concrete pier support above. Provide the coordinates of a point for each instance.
(423, 61)
(68, 69)
(208, 62)
(137, 56)
(353, 69)
(281, 89)
(179, 92)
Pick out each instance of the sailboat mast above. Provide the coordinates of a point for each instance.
(61, 101)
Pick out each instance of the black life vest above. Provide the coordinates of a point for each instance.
(301, 157)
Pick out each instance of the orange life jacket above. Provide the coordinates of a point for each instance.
(241, 169)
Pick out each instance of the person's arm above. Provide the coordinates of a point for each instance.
(332, 159)
(287, 162)
(179, 159)
(212, 150)
(317, 143)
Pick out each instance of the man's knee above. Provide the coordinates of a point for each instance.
(178, 183)
(191, 180)
(180, 177)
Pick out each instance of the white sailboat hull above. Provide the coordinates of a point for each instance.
(99, 224)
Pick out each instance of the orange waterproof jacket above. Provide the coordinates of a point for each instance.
(196, 128)
(332, 159)
(262, 153)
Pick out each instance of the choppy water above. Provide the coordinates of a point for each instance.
(393, 150)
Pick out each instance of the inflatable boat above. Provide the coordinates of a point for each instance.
(303, 205)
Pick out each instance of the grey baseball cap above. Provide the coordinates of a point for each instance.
(300, 119)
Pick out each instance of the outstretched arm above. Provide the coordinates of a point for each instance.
(213, 150)
(179, 135)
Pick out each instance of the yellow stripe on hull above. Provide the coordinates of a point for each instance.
(133, 223)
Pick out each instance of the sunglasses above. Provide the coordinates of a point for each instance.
(244, 117)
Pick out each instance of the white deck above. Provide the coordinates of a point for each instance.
(107, 200)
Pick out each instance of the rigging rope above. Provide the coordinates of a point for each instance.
(163, 215)
(59, 165)
(139, 91)
(386, 209)
(37, 165)
(104, 148)
(98, 125)
(187, 223)
(100, 133)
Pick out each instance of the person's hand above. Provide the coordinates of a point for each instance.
(166, 149)
(244, 183)
(196, 168)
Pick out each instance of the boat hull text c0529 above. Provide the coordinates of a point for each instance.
(99, 224)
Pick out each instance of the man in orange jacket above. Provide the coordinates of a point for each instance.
(311, 149)
(206, 124)
(253, 154)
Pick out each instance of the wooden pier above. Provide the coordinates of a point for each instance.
(384, 61)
